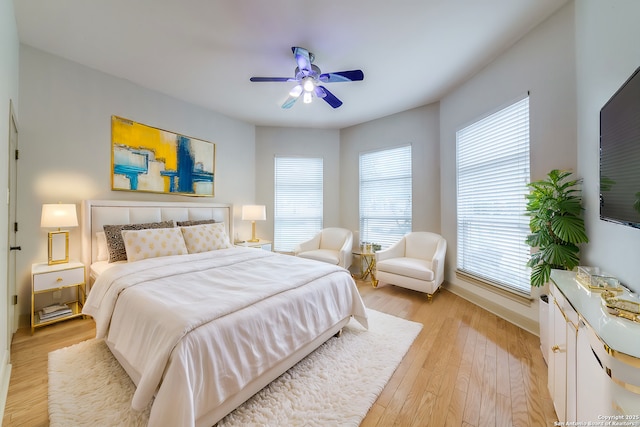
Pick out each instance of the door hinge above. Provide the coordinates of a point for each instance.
(15, 300)
(17, 154)
(15, 227)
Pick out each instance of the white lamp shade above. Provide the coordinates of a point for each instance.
(58, 215)
(254, 213)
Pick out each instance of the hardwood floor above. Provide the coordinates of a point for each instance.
(466, 368)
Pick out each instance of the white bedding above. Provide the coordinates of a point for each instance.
(99, 267)
(195, 339)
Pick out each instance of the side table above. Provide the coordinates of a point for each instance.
(367, 266)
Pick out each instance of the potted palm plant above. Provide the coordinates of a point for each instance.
(554, 206)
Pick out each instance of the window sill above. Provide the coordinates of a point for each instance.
(496, 288)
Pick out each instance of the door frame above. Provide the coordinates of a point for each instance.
(12, 185)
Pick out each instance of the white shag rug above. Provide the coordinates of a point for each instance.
(334, 385)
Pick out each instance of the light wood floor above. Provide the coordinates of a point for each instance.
(466, 368)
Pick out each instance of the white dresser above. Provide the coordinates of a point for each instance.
(594, 363)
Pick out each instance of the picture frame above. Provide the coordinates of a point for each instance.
(149, 159)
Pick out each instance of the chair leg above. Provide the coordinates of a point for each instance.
(430, 296)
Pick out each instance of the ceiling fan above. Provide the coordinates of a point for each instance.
(309, 79)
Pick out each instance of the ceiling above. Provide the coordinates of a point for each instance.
(412, 52)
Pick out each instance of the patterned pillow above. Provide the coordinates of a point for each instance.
(153, 243)
(206, 237)
(195, 222)
(113, 233)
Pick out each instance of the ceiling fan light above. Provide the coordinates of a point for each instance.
(296, 91)
(308, 84)
(307, 97)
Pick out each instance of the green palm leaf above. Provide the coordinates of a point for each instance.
(554, 206)
(569, 228)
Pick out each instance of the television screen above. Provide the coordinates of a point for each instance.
(620, 155)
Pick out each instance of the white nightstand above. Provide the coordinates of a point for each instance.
(260, 244)
(51, 278)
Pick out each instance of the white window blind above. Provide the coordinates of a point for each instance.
(298, 201)
(493, 172)
(385, 195)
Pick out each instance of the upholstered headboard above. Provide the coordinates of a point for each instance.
(97, 213)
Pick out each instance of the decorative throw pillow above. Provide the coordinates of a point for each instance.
(153, 243)
(103, 250)
(195, 222)
(206, 237)
(113, 233)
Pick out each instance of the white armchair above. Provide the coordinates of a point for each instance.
(332, 245)
(415, 262)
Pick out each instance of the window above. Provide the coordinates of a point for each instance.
(493, 172)
(385, 195)
(298, 201)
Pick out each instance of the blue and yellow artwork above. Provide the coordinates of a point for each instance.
(149, 159)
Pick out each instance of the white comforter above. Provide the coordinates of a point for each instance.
(193, 330)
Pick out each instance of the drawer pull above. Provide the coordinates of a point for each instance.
(59, 279)
(555, 348)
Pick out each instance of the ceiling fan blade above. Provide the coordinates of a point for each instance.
(272, 79)
(288, 103)
(320, 92)
(342, 76)
(303, 58)
(330, 98)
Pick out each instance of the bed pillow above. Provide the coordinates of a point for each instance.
(101, 243)
(115, 244)
(153, 243)
(195, 222)
(205, 237)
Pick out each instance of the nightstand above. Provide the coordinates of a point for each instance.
(260, 244)
(56, 278)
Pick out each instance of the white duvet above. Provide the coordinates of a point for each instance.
(193, 330)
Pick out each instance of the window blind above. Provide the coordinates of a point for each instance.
(298, 201)
(492, 173)
(385, 195)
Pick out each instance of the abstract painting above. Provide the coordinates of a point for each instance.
(144, 158)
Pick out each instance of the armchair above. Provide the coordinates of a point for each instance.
(415, 262)
(332, 245)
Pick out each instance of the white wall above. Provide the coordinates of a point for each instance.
(65, 141)
(9, 47)
(418, 127)
(542, 62)
(607, 53)
(276, 141)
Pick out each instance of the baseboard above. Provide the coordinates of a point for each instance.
(517, 319)
(5, 376)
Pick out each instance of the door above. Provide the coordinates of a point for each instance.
(12, 313)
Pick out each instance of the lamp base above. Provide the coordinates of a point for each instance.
(58, 247)
(253, 238)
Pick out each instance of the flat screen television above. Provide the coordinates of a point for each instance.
(620, 155)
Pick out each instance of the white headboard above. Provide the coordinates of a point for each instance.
(97, 213)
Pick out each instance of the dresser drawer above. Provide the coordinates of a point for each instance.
(58, 279)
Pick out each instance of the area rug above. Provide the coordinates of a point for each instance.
(334, 385)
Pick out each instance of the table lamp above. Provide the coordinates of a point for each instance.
(58, 216)
(254, 213)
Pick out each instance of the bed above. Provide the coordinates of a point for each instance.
(201, 332)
